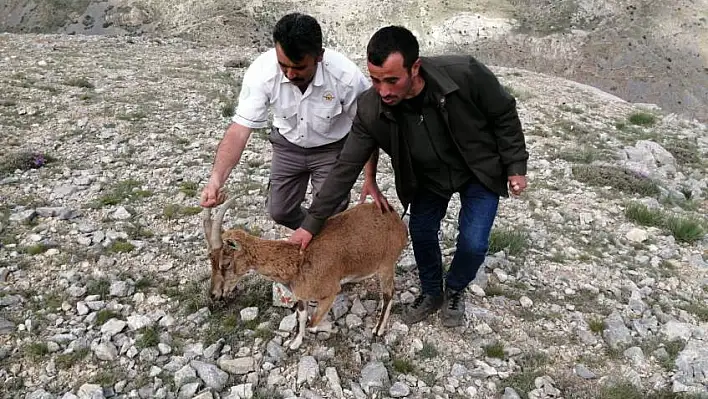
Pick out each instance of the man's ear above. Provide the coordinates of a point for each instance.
(320, 56)
(415, 68)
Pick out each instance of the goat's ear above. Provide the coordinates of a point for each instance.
(233, 244)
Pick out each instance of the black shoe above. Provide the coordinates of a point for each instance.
(423, 306)
(453, 309)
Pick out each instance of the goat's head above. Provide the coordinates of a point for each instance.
(222, 257)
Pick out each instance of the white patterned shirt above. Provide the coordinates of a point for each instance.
(321, 115)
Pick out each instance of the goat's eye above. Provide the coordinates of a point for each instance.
(233, 244)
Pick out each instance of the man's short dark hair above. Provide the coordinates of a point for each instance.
(389, 40)
(298, 35)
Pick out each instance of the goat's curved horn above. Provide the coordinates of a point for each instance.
(206, 225)
(215, 236)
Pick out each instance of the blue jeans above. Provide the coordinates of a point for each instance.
(479, 208)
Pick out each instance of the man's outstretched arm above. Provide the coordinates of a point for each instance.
(228, 154)
(357, 151)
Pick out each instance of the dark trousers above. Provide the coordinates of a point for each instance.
(476, 218)
(292, 167)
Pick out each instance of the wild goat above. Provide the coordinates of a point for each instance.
(352, 246)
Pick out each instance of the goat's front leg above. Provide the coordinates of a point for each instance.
(323, 307)
(386, 282)
(301, 320)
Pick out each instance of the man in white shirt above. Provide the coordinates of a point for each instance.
(313, 93)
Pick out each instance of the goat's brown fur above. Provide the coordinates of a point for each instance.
(353, 245)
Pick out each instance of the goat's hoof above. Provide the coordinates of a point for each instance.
(323, 326)
(378, 330)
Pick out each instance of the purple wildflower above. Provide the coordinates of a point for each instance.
(38, 160)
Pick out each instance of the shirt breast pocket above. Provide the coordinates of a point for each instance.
(324, 117)
(285, 119)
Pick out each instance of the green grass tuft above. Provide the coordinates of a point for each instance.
(513, 241)
(495, 350)
(121, 246)
(617, 178)
(642, 119)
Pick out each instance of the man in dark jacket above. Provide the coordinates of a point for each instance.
(449, 127)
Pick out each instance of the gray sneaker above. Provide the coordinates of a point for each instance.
(423, 306)
(453, 309)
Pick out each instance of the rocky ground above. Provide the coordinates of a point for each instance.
(596, 285)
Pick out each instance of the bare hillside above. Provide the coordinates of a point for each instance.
(648, 51)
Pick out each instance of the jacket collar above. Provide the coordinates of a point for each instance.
(438, 82)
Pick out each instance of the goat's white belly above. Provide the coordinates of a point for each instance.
(354, 279)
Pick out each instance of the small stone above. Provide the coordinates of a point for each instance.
(163, 267)
(458, 370)
(65, 191)
(239, 366)
(249, 314)
(407, 298)
(340, 307)
(358, 308)
(187, 391)
(212, 376)
(307, 370)
(501, 275)
(121, 214)
(697, 261)
(374, 375)
(167, 321)
(241, 391)
(399, 390)
(6, 326)
(98, 237)
(483, 329)
(635, 355)
(23, 216)
(334, 382)
(477, 291)
(637, 235)
(136, 322)
(90, 391)
(185, 375)
(583, 372)
(154, 371)
(105, 351)
(113, 327)
(48, 212)
(510, 393)
(525, 302)
(289, 322)
(82, 309)
(40, 394)
(353, 321)
(121, 289)
(615, 332)
(676, 330)
(379, 352)
(164, 348)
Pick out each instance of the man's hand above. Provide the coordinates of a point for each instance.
(302, 237)
(517, 184)
(371, 188)
(212, 195)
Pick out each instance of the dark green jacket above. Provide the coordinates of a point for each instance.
(480, 115)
